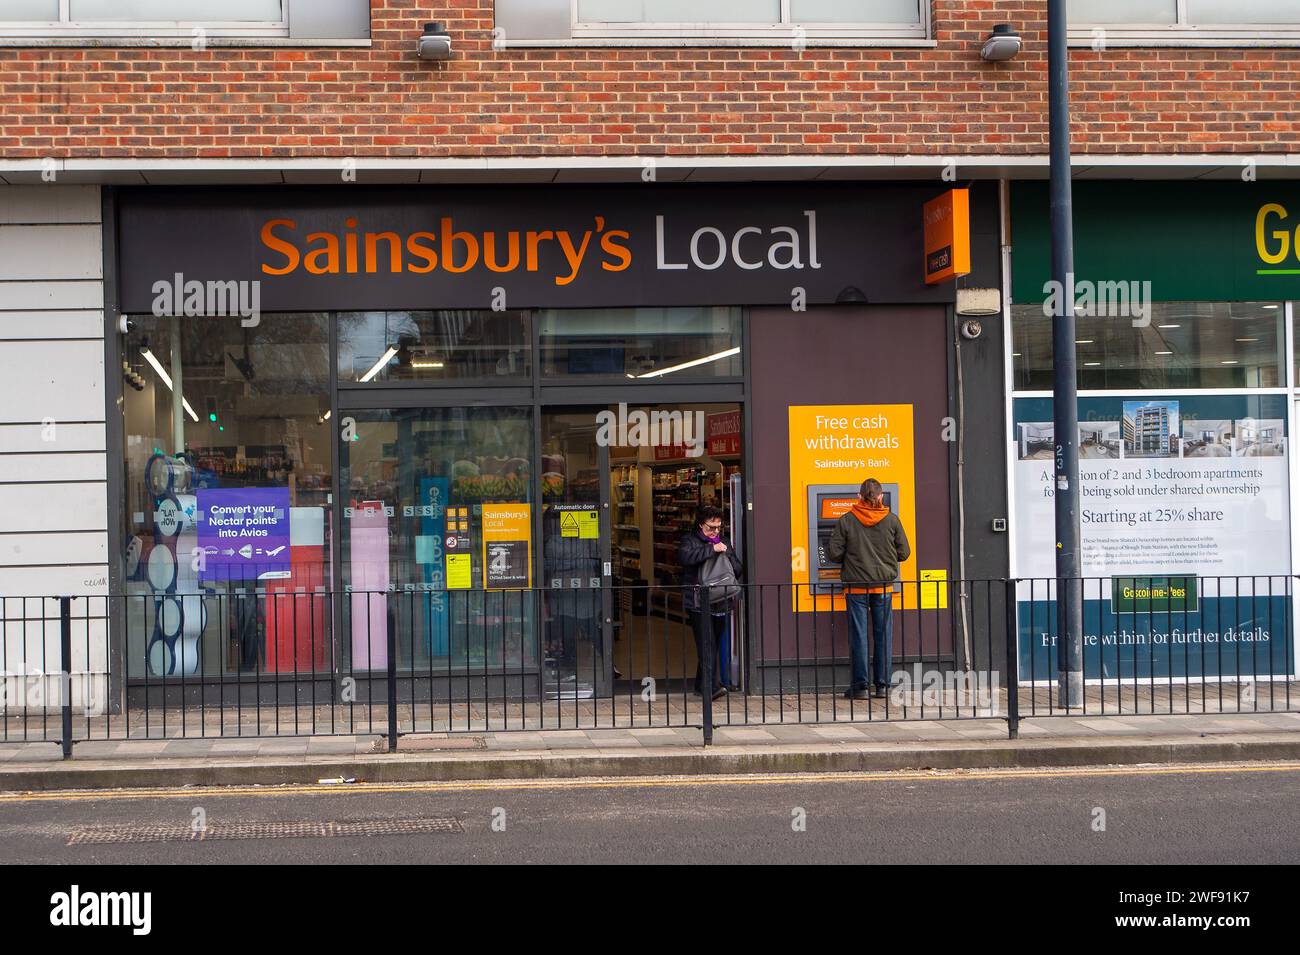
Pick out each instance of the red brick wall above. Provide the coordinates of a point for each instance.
(382, 101)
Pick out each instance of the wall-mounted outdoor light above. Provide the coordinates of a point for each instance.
(978, 302)
(434, 43)
(1002, 44)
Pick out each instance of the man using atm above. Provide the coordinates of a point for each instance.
(870, 543)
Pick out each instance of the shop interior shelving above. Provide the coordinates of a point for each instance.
(676, 493)
(626, 533)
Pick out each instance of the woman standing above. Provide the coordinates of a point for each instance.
(708, 621)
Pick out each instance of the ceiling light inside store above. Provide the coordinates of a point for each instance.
(1164, 353)
(1247, 339)
(152, 359)
(383, 360)
(1092, 364)
(1169, 326)
(691, 364)
(426, 364)
(1083, 341)
(1228, 361)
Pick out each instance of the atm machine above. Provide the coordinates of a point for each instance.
(827, 503)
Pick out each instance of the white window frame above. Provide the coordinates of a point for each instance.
(781, 32)
(66, 27)
(1182, 33)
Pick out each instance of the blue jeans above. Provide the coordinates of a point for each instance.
(882, 637)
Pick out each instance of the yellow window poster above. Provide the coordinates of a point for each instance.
(507, 546)
(833, 449)
(934, 590)
(581, 521)
(460, 573)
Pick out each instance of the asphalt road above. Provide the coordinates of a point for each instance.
(1228, 814)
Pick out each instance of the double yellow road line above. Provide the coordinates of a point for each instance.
(644, 782)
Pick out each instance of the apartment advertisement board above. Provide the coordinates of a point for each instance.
(1185, 518)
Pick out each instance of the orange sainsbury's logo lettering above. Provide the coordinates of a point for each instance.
(351, 251)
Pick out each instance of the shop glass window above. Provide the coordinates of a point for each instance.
(649, 344)
(227, 503)
(1184, 345)
(438, 539)
(1295, 348)
(744, 18)
(444, 345)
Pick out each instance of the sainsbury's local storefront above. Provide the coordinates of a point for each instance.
(464, 427)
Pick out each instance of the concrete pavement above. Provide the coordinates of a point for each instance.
(633, 751)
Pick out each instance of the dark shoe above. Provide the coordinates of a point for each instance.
(855, 693)
(720, 692)
(879, 692)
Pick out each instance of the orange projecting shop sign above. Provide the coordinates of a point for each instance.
(947, 236)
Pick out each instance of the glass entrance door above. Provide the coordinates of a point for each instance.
(577, 633)
(660, 474)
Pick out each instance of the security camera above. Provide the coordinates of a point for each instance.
(434, 43)
(1002, 44)
(124, 325)
(972, 328)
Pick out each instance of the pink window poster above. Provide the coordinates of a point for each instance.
(369, 553)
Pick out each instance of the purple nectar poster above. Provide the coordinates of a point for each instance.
(244, 532)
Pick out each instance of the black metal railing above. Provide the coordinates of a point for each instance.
(280, 662)
(1163, 644)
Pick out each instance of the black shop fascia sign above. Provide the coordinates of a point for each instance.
(353, 247)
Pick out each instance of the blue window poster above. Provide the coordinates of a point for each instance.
(430, 551)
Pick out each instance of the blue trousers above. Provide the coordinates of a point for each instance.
(881, 607)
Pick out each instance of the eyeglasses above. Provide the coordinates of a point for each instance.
(713, 527)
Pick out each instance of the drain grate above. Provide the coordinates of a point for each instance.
(409, 743)
(111, 835)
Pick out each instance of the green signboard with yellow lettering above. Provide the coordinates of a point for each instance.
(1234, 241)
(1153, 595)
